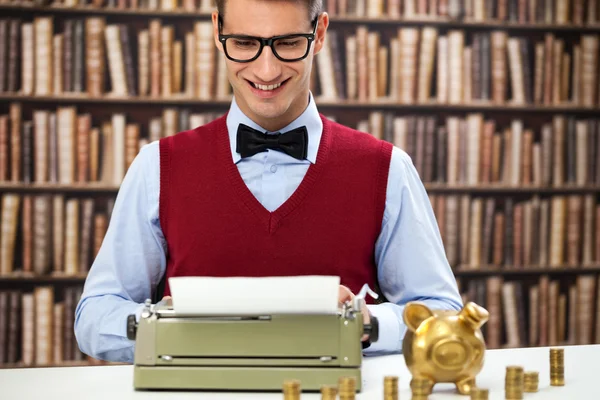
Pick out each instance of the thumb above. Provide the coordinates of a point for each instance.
(344, 294)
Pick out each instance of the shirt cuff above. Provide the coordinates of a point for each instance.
(389, 339)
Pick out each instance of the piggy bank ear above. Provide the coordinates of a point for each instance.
(474, 315)
(415, 314)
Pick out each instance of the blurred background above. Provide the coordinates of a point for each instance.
(496, 101)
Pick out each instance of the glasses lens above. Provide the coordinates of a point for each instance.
(291, 47)
(288, 48)
(242, 49)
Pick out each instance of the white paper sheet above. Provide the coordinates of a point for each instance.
(255, 296)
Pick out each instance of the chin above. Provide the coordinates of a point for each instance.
(269, 109)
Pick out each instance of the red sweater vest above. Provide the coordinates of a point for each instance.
(214, 226)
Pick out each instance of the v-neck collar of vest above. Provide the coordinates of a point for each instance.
(267, 219)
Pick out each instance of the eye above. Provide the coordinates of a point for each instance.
(244, 43)
(289, 43)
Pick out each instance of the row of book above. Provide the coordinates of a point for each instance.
(43, 234)
(558, 231)
(36, 326)
(76, 59)
(418, 65)
(473, 149)
(424, 66)
(549, 312)
(65, 146)
(577, 12)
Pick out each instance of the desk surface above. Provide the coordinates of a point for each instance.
(115, 382)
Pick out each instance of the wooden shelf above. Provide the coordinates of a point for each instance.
(460, 271)
(418, 21)
(465, 271)
(440, 22)
(88, 187)
(383, 104)
(89, 10)
(52, 365)
(96, 188)
(83, 98)
(51, 278)
(61, 364)
(503, 189)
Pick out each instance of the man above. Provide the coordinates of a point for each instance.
(226, 199)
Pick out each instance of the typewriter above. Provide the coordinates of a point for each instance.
(247, 352)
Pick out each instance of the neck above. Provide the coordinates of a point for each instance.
(295, 109)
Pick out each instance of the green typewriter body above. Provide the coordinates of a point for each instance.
(245, 352)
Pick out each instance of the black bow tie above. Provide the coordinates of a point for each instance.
(250, 141)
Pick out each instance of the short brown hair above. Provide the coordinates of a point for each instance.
(315, 7)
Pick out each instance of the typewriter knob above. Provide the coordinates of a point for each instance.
(131, 327)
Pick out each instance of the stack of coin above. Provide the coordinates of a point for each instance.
(513, 383)
(291, 389)
(420, 388)
(479, 394)
(347, 388)
(390, 388)
(557, 367)
(328, 392)
(530, 382)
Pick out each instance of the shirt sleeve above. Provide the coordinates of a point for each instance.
(129, 264)
(410, 256)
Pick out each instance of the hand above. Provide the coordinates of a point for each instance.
(345, 294)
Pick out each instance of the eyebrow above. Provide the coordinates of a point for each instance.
(311, 28)
(265, 37)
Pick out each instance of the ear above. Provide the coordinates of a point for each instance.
(415, 314)
(322, 25)
(215, 22)
(474, 315)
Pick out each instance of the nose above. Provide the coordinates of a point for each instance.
(267, 67)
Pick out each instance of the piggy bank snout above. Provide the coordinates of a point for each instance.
(454, 354)
(449, 354)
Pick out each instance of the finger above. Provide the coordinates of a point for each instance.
(344, 294)
(366, 320)
(365, 313)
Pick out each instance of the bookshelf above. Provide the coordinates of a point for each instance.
(62, 364)
(496, 101)
(460, 271)
(92, 187)
(48, 278)
(416, 20)
(323, 104)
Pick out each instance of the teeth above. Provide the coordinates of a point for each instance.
(267, 87)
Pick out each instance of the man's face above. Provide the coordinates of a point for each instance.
(269, 91)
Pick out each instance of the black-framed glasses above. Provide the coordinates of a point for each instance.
(288, 48)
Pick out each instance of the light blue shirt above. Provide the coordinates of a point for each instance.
(409, 253)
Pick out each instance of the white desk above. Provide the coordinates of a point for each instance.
(582, 380)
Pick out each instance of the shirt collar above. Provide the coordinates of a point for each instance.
(309, 118)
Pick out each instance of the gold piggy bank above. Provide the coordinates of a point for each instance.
(444, 346)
